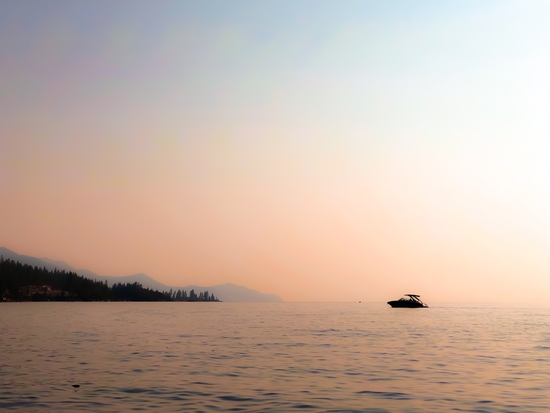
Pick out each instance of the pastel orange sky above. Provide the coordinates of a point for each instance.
(321, 151)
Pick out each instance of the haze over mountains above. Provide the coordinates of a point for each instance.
(225, 292)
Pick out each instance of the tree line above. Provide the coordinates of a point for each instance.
(181, 295)
(23, 282)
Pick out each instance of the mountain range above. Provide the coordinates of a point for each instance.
(225, 292)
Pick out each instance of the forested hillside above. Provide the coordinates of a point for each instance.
(22, 282)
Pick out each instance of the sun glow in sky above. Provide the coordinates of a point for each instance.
(318, 150)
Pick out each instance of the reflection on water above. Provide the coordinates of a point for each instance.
(111, 357)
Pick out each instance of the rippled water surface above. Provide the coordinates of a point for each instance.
(272, 357)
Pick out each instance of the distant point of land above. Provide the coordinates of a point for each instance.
(224, 292)
(23, 282)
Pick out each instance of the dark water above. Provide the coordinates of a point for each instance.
(272, 357)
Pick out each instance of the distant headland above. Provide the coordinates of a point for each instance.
(23, 282)
(224, 292)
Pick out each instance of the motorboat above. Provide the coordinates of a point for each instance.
(408, 301)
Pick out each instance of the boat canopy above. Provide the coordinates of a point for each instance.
(411, 297)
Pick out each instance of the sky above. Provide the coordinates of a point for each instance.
(318, 150)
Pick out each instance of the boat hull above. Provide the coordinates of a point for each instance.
(406, 304)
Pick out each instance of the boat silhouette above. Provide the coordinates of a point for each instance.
(408, 301)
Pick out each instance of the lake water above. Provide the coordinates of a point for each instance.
(273, 358)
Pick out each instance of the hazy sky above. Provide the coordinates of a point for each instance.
(318, 150)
